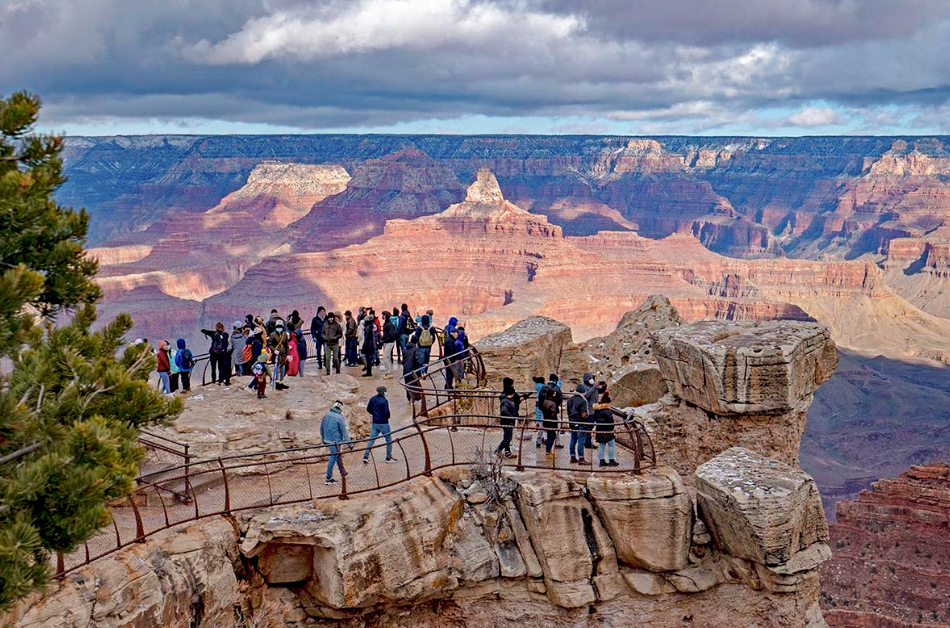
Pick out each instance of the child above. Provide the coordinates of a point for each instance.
(260, 379)
(604, 427)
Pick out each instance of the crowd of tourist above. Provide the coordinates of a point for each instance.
(269, 351)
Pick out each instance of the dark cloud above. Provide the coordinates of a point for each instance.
(690, 64)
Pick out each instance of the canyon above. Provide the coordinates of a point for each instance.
(849, 231)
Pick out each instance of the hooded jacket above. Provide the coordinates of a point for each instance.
(333, 428)
(411, 360)
(369, 338)
(163, 364)
(591, 395)
(183, 358)
(604, 420)
(316, 328)
(508, 410)
(577, 406)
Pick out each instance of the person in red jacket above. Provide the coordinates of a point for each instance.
(163, 367)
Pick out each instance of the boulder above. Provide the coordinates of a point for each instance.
(535, 346)
(761, 510)
(637, 385)
(648, 517)
(727, 369)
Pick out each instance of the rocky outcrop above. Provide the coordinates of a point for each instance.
(763, 368)
(891, 552)
(536, 346)
(182, 578)
(763, 511)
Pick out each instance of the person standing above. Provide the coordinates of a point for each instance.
(591, 395)
(301, 349)
(333, 433)
(369, 346)
(332, 334)
(388, 341)
(509, 415)
(604, 424)
(271, 323)
(451, 349)
(350, 339)
(410, 369)
(163, 367)
(404, 328)
(538, 415)
(293, 351)
(578, 419)
(378, 408)
(236, 351)
(279, 344)
(218, 354)
(549, 419)
(425, 338)
(185, 362)
(316, 333)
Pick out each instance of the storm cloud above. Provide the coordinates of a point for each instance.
(638, 66)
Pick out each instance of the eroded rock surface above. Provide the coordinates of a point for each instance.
(763, 511)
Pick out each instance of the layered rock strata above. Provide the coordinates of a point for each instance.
(891, 563)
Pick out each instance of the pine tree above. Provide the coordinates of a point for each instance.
(71, 402)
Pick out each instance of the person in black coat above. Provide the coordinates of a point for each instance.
(369, 346)
(316, 333)
(509, 415)
(604, 428)
(410, 368)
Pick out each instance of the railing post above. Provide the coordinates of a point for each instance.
(524, 423)
(187, 469)
(339, 449)
(227, 491)
(61, 562)
(139, 526)
(425, 448)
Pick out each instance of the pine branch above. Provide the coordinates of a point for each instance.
(19, 453)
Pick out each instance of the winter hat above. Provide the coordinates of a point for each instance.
(380, 389)
(552, 378)
(605, 398)
(237, 325)
(537, 379)
(581, 388)
(425, 319)
(337, 405)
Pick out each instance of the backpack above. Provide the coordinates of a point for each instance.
(248, 354)
(425, 337)
(219, 342)
(184, 360)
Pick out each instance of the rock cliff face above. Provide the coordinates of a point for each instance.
(891, 563)
(628, 551)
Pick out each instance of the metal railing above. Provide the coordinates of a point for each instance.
(450, 428)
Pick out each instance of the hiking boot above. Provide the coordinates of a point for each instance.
(581, 461)
(262, 396)
(603, 463)
(330, 482)
(613, 463)
(573, 460)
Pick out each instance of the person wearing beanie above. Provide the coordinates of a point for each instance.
(368, 348)
(580, 424)
(509, 416)
(378, 408)
(332, 334)
(604, 426)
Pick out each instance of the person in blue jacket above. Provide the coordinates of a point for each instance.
(185, 362)
(333, 433)
(378, 408)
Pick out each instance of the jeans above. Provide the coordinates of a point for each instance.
(610, 450)
(549, 440)
(507, 432)
(334, 460)
(165, 385)
(376, 430)
(579, 435)
(318, 349)
(352, 357)
(279, 370)
(332, 351)
(424, 353)
(401, 340)
(387, 361)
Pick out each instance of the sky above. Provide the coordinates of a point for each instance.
(631, 67)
